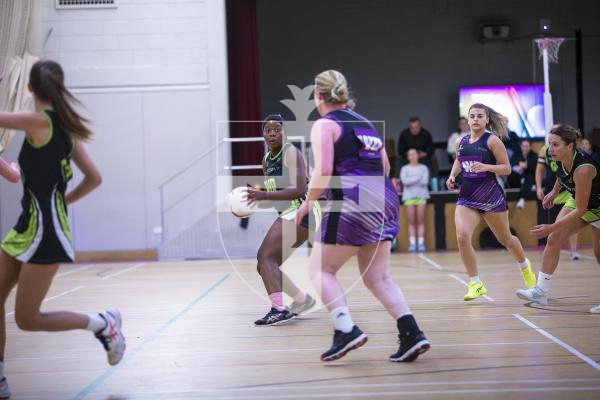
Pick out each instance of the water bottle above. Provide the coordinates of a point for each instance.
(434, 184)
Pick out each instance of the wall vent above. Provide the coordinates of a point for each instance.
(77, 4)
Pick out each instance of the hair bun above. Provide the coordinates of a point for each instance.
(333, 87)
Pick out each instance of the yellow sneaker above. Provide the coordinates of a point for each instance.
(528, 276)
(475, 290)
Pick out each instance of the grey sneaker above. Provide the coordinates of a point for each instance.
(111, 337)
(535, 294)
(4, 389)
(595, 310)
(307, 304)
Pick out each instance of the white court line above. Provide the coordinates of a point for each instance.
(136, 266)
(566, 346)
(285, 350)
(581, 255)
(74, 270)
(439, 267)
(410, 384)
(488, 298)
(54, 297)
(417, 393)
(430, 261)
(369, 347)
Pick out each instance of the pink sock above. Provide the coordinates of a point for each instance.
(300, 297)
(277, 301)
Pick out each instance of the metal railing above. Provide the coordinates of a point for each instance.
(183, 199)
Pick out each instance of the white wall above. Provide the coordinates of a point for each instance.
(153, 76)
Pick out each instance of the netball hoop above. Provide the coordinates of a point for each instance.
(548, 48)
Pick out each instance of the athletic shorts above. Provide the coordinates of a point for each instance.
(591, 215)
(415, 201)
(562, 198)
(317, 214)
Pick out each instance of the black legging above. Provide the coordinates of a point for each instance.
(514, 180)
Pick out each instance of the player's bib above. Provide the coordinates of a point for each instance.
(371, 143)
(466, 163)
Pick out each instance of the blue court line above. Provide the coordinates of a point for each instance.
(107, 374)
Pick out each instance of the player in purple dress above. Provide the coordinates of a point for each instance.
(481, 156)
(360, 219)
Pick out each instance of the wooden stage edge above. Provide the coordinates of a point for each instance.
(117, 255)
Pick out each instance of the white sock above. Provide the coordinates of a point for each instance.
(475, 279)
(96, 323)
(544, 280)
(523, 264)
(422, 240)
(342, 319)
(412, 240)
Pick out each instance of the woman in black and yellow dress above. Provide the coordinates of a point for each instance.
(285, 190)
(41, 239)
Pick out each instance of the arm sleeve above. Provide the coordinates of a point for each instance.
(430, 145)
(531, 163)
(401, 146)
(406, 178)
(424, 180)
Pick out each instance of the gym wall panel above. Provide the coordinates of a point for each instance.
(113, 216)
(170, 145)
(152, 75)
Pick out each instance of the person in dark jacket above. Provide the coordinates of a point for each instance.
(417, 137)
(523, 166)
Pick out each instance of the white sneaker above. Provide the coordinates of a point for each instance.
(521, 203)
(111, 336)
(595, 310)
(4, 389)
(535, 294)
(575, 256)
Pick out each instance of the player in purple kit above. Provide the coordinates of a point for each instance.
(481, 156)
(360, 219)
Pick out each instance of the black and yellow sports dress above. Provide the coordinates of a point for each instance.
(580, 158)
(277, 176)
(42, 234)
(548, 183)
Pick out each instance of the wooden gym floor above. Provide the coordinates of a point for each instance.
(190, 335)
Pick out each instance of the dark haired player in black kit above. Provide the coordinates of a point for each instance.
(285, 184)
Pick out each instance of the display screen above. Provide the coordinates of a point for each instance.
(523, 105)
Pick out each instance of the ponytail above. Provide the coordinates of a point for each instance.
(498, 123)
(47, 82)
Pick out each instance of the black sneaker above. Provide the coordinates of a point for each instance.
(307, 304)
(275, 317)
(411, 346)
(343, 343)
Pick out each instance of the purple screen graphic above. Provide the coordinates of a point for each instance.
(523, 105)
